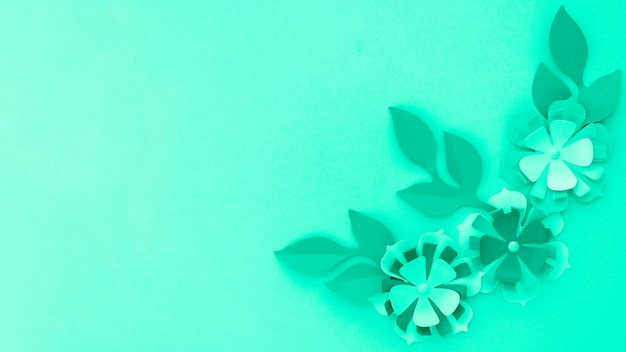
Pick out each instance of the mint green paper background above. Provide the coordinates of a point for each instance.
(155, 153)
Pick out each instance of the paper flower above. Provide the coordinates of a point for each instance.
(514, 245)
(427, 282)
(560, 156)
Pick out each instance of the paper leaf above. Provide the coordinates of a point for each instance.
(568, 46)
(313, 255)
(358, 282)
(415, 138)
(601, 97)
(463, 162)
(436, 198)
(373, 237)
(548, 88)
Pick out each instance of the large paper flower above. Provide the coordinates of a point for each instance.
(513, 245)
(559, 156)
(426, 285)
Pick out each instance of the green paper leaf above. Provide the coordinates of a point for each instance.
(358, 282)
(373, 237)
(601, 97)
(415, 139)
(313, 255)
(548, 88)
(463, 162)
(568, 46)
(437, 198)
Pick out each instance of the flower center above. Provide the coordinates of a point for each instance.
(513, 246)
(555, 154)
(422, 289)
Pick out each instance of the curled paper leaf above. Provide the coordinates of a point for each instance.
(371, 235)
(358, 282)
(415, 139)
(463, 162)
(313, 255)
(547, 88)
(568, 46)
(601, 97)
(317, 254)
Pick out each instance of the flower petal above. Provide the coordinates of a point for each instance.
(509, 270)
(415, 270)
(533, 257)
(539, 140)
(561, 131)
(532, 166)
(578, 153)
(425, 314)
(524, 290)
(560, 177)
(402, 296)
(491, 249)
(446, 300)
(534, 232)
(440, 273)
(507, 225)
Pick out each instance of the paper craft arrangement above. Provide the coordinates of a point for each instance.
(510, 242)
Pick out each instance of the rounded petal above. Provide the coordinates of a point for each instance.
(579, 153)
(489, 281)
(425, 314)
(446, 300)
(402, 296)
(491, 248)
(532, 166)
(560, 177)
(533, 257)
(557, 262)
(440, 273)
(509, 269)
(507, 225)
(538, 140)
(534, 232)
(524, 290)
(415, 270)
(561, 131)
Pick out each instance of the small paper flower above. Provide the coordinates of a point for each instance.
(426, 285)
(512, 246)
(560, 156)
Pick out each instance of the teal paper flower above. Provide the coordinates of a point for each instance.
(560, 156)
(426, 286)
(514, 245)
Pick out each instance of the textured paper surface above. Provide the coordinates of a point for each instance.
(154, 153)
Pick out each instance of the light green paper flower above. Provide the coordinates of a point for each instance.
(514, 245)
(426, 286)
(560, 156)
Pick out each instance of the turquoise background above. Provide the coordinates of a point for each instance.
(155, 153)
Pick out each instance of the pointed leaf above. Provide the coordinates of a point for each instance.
(548, 88)
(415, 139)
(358, 282)
(313, 255)
(436, 198)
(601, 97)
(373, 237)
(568, 46)
(463, 162)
